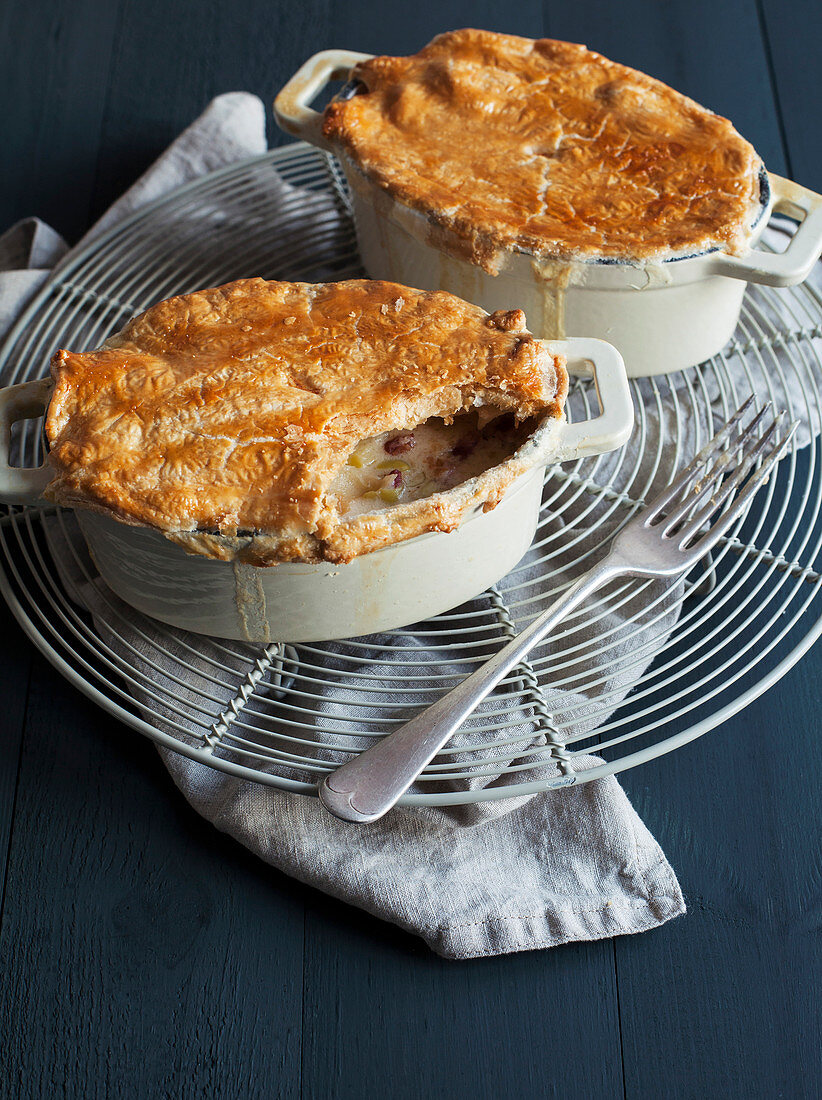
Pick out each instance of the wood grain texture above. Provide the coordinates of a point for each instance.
(369, 27)
(53, 82)
(735, 816)
(794, 70)
(15, 668)
(144, 954)
(385, 1017)
(171, 59)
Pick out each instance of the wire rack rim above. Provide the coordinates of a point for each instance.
(759, 338)
(452, 798)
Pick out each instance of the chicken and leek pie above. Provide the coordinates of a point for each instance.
(548, 148)
(270, 421)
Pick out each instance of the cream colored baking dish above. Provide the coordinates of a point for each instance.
(661, 316)
(292, 602)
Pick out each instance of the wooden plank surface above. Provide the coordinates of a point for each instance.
(54, 82)
(144, 954)
(793, 34)
(15, 668)
(171, 59)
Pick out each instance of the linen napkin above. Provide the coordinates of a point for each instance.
(490, 878)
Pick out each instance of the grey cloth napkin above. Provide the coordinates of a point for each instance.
(490, 878)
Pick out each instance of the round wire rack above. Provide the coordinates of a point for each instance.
(643, 670)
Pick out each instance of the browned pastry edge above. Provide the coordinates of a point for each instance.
(546, 147)
(364, 534)
(256, 392)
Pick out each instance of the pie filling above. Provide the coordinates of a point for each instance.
(398, 467)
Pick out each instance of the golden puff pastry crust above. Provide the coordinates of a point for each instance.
(221, 417)
(549, 148)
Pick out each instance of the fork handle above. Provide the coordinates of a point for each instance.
(369, 785)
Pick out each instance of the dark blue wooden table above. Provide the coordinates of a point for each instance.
(144, 954)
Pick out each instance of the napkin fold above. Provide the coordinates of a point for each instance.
(489, 878)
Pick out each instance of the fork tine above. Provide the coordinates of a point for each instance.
(691, 471)
(731, 483)
(736, 509)
(713, 476)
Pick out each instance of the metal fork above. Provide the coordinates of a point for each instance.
(665, 539)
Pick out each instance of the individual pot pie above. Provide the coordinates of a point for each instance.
(547, 148)
(270, 421)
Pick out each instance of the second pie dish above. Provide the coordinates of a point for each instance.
(283, 460)
(540, 174)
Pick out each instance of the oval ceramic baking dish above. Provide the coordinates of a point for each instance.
(295, 602)
(662, 316)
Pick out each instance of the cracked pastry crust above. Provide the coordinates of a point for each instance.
(548, 148)
(221, 417)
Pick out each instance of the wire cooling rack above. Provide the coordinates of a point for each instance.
(286, 715)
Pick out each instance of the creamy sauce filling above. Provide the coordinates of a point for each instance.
(397, 467)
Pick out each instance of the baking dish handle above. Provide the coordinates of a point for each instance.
(795, 263)
(291, 107)
(19, 485)
(612, 428)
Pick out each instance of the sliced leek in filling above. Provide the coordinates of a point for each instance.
(402, 466)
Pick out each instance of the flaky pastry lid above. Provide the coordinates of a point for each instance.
(221, 417)
(549, 148)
